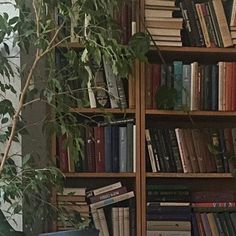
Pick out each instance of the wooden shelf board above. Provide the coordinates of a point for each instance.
(199, 50)
(189, 175)
(100, 175)
(102, 110)
(201, 54)
(191, 113)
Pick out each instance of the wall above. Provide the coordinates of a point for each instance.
(16, 222)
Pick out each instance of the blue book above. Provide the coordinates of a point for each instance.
(115, 148)
(122, 149)
(108, 154)
(186, 86)
(178, 83)
(214, 87)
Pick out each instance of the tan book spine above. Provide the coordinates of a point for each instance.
(121, 221)
(222, 22)
(126, 221)
(103, 221)
(97, 222)
(115, 221)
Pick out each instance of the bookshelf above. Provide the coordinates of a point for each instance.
(139, 180)
(185, 118)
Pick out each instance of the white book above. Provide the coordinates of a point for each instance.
(233, 14)
(165, 3)
(152, 13)
(103, 221)
(121, 221)
(112, 200)
(150, 151)
(106, 188)
(91, 95)
(194, 87)
(115, 221)
(164, 32)
(168, 233)
(96, 222)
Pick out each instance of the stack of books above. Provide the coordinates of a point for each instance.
(161, 23)
(108, 216)
(73, 207)
(168, 210)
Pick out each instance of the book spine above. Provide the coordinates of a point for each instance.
(103, 222)
(107, 144)
(122, 149)
(104, 189)
(99, 148)
(97, 222)
(112, 200)
(107, 195)
(115, 221)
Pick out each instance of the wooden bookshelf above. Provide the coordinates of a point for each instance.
(99, 175)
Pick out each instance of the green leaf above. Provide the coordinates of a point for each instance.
(4, 120)
(6, 48)
(13, 20)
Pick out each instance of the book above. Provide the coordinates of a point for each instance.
(99, 148)
(212, 223)
(121, 220)
(103, 222)
(169, 225)
(175, 23)
(122, 149)
(126, 221)
(164, 32)
(150, 150)
(104, 189)
(160, 3)
(168, 233)
(153, 13)
(115, 221)
(111, 84)
(108, 194)
(222, 22)
(96, 221)
(112, 200)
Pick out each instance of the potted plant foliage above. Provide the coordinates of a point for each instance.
(37, 32)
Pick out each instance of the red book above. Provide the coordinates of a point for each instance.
(99, 148)
(233, 87)
(213, 204)
(228, 85)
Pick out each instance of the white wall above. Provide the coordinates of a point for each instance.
(16, 149)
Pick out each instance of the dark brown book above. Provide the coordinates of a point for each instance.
(62, 153)
(148, 86)
(99, 148)
(156, 81)
(107, 195)
(196, 136)
(90, 149)
(191, 150)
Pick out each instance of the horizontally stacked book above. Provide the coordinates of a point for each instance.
(168, 210)
(164, 28)
(185, 150)
(209, 23)
(191, 86)
(110, 216)
(73, 206)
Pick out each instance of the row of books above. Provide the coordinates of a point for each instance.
(108, 147)
(110, 216)
(204, 23)
(173, 210)
(159, 21)
(105, 148)
(191, 150)
(193, 86)
(201, 223)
